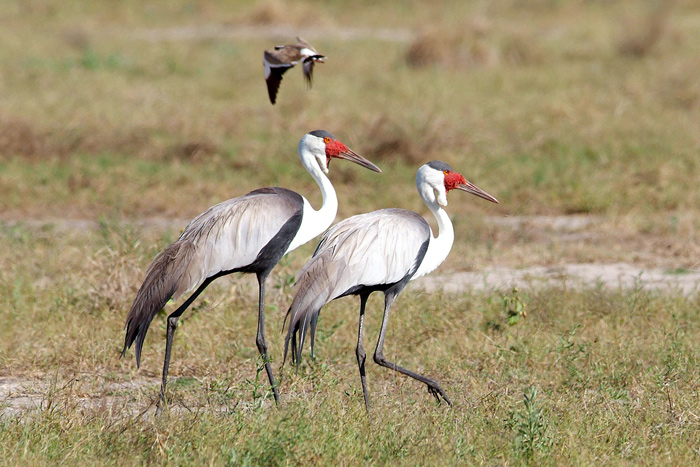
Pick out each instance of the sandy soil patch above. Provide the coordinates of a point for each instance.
(622, 275)
(656, 269)
(20, 395)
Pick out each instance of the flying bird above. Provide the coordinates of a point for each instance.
(248, 234)
(284, 57)
(377, 251)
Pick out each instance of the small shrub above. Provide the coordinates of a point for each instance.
(639, 37)
(530, 426)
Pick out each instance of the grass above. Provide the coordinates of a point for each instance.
(610, 375)
(122, 114)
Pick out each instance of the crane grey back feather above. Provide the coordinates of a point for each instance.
(376, 249)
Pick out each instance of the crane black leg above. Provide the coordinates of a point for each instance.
(360, 351)
(433, 386)
(172, 325)
(260, 339)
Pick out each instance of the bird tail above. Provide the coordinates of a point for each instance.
(315, 288)
(165, 278)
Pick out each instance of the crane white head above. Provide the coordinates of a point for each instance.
(317, 148)
(435, 179)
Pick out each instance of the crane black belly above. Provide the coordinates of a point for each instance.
(368, 289)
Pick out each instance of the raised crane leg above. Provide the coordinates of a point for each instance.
(433, 386)
(360, 351)
(172, 325)
(260, 338)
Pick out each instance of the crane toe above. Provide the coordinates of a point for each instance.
(436, 390)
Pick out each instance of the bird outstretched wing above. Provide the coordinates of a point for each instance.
(283, 57)
(276, 63)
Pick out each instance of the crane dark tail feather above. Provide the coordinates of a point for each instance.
(299, 324)
(312, 333)
(164, 279)
(314, 289)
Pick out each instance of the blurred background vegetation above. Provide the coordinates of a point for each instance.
(135, 109)
(120, 121)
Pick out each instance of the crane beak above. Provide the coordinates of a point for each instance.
(475, 190)
(352, 156)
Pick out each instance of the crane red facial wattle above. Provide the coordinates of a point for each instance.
(334, 148)
(452, 179)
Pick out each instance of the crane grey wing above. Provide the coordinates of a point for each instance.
(381, 247)
(227, 236)
(230, 235)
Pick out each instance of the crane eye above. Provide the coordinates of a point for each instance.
(326, 140)
(445, 172)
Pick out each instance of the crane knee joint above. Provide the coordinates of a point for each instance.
(379, 358)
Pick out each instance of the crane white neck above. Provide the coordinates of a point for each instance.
(314, 222)
(440, 246)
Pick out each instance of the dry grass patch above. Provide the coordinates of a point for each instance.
(412, 142)
(271, 12)
(638, 36)
(19, 137)
(195, 151)
(451, 49)
(472, 45)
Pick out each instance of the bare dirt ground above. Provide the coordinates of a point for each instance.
(622, 275)
(20, 395)
(89, 393)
